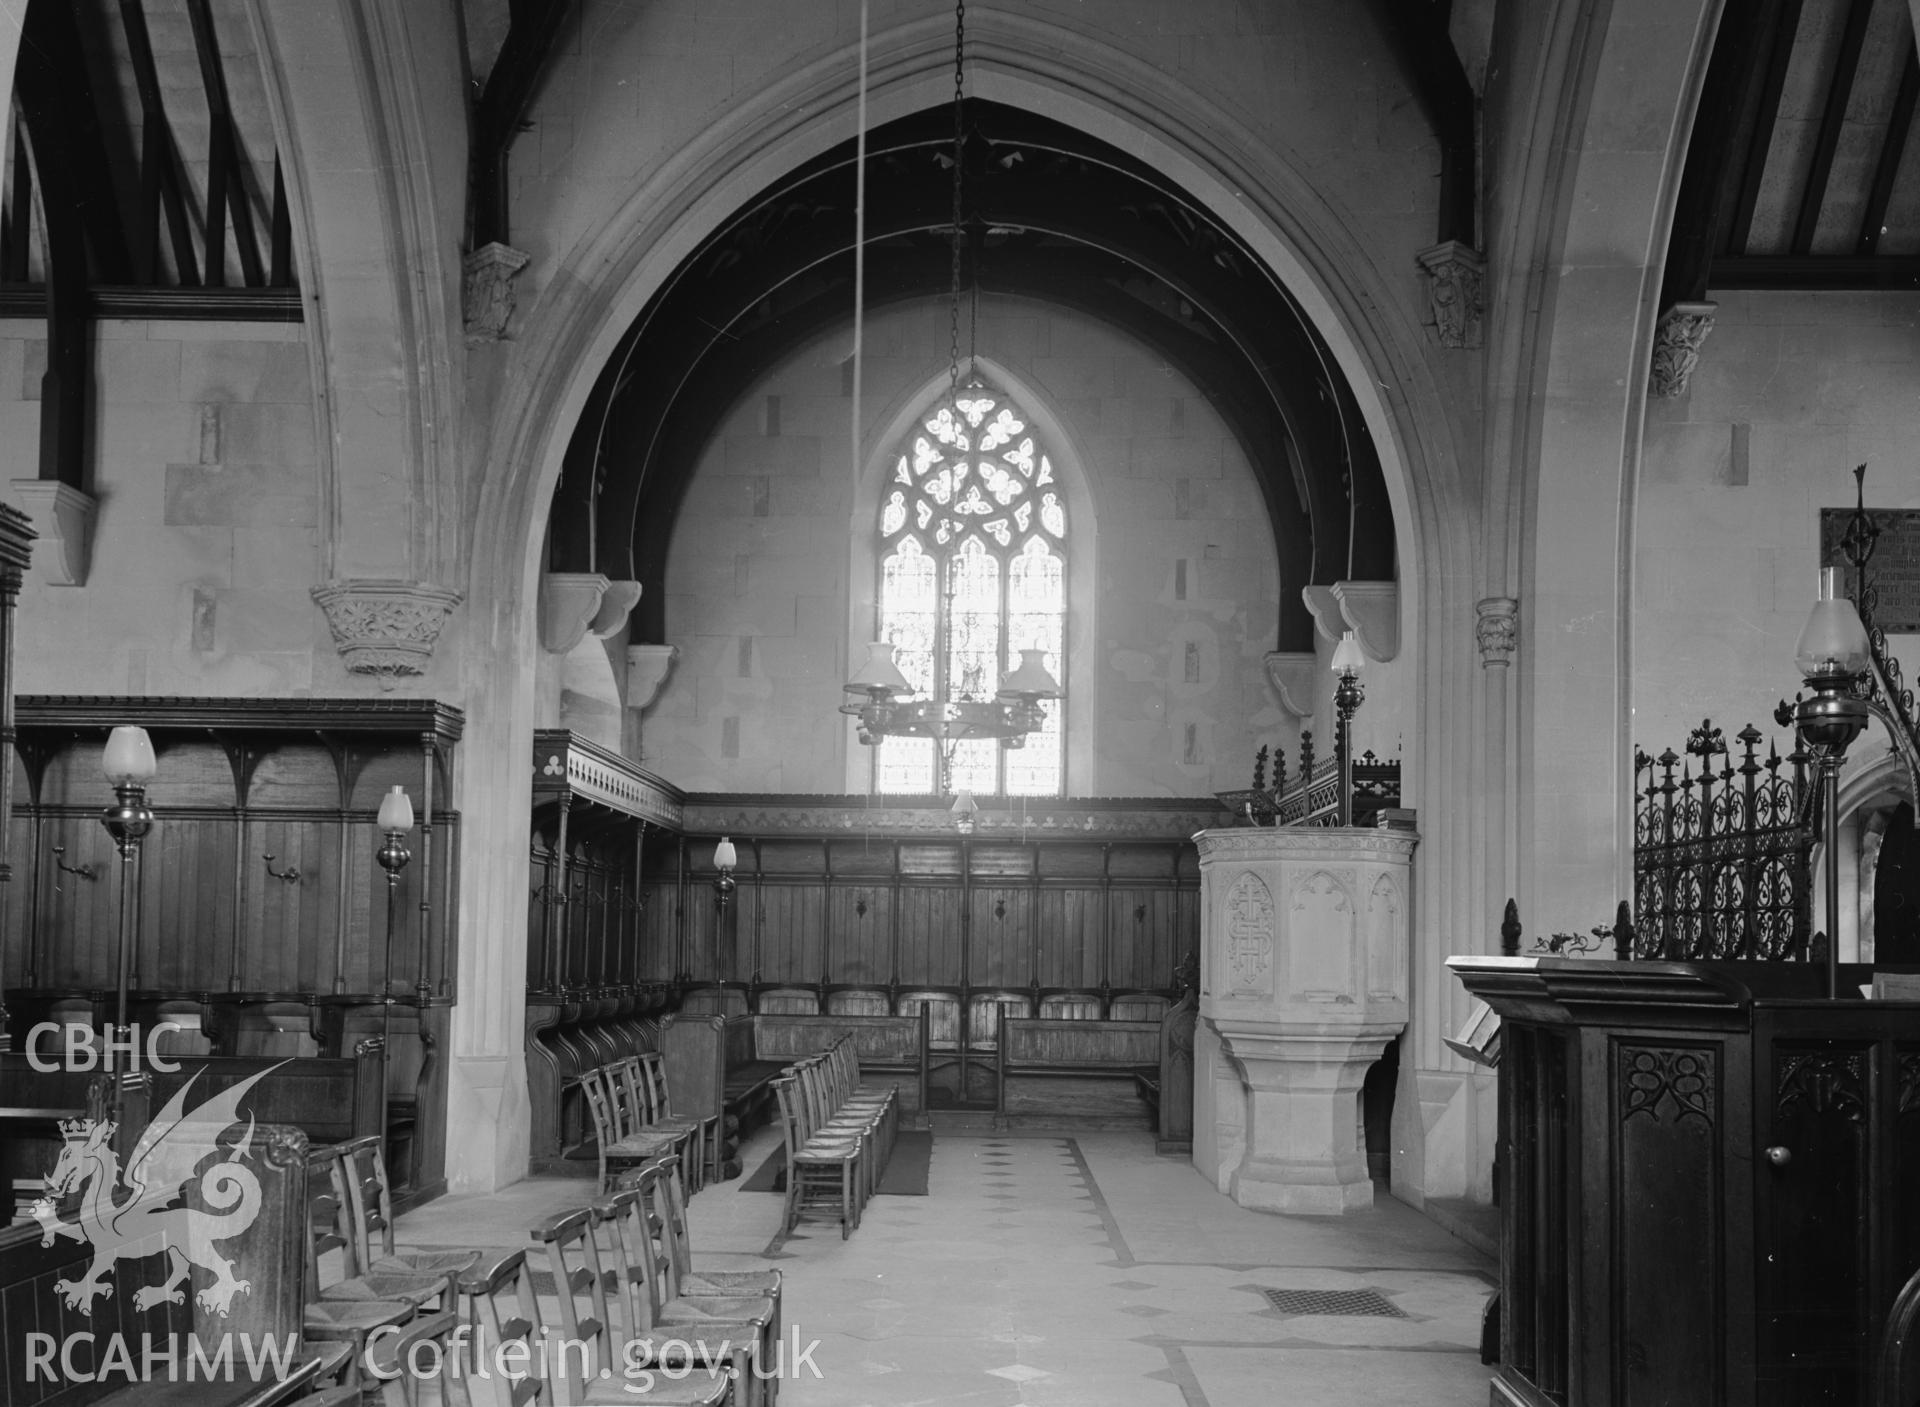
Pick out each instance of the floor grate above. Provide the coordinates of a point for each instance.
(1369, 1302)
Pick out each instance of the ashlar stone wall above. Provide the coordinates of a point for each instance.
(1165, 642)
(205, 464)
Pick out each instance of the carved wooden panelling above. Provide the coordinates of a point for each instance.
(1667, 1218)
(1666, 1083)
(1824, 1082)
(1909, 1082)
(1320, 935)
(1251, 932)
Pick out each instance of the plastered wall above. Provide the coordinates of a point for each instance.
(763, 596)
(1792, 391)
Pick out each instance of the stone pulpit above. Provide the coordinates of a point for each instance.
(1303, 983)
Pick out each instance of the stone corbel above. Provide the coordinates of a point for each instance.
(1324, 607)
(647, 670)
(63, 517)
(1291, 673)
(1676, 346)
(615, 606)
(1456, 278)
(1496, 630)
(569, 604)
(487, 277)
(1371, 610)
(385, 627)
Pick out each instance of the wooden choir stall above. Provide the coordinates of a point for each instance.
(263, 926)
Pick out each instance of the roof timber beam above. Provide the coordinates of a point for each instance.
(502, 106)
(1846, 66)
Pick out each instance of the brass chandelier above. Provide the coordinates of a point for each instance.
(884, 701)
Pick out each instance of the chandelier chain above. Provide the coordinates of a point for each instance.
(959, 138)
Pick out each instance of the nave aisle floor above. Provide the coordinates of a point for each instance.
(1076, 1271)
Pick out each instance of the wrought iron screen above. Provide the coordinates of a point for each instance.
(1722, 857)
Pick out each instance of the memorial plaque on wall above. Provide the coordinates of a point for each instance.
(1894, 569)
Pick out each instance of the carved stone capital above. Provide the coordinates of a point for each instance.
(1496, 630)
(63, 519)
(615, 606)
(486, 290)
(647, 670)
(1676, 346)
(1456, 279)
(385, 627)
(1371, 610)
(1291, 674)
(569, 603)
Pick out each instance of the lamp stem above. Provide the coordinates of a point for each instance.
(1830, 826)
(386, 976)
(129, 930)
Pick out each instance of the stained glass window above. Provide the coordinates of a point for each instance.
(973, 570)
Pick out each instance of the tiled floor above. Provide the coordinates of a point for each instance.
(1068, 1270)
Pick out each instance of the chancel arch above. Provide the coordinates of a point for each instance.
(580, 310)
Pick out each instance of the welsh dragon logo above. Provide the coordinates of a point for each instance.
(138, 1212)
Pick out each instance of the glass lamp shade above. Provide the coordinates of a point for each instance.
(879, 672)
(128, 760)
(396, 811)
(724, 857)
(1031, 678)
(964, 806)
(1834, 642)
(1347, 655)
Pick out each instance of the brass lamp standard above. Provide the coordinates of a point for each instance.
(395, 821)
(129, 765)
(1348, 661)
(724, 860)
(1832, 655)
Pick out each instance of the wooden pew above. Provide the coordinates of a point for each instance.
(726, 1065)
(712, 1070)
(886, 1045)
(330, 1100)
(266, 1254)
(1169, 1090)
(1064, 1073)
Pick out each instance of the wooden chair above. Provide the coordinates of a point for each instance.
(347, 1321)
(643, 1109)
(669, 1215)
(363, 1163)
(394, 1360)
(666, 1218)
(832, 1114)
(334, 1224)
(588, 1344)
(652, 1066)
(649, 1316)
(615, 1145)
(505, 1311)
(821, 1170)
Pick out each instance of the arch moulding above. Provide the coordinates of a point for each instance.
(1363, 311)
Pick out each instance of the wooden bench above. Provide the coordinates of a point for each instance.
(266, 1254)
(726, 1065)
(330, 1100)
(886, 1045)
(1065, 1073)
